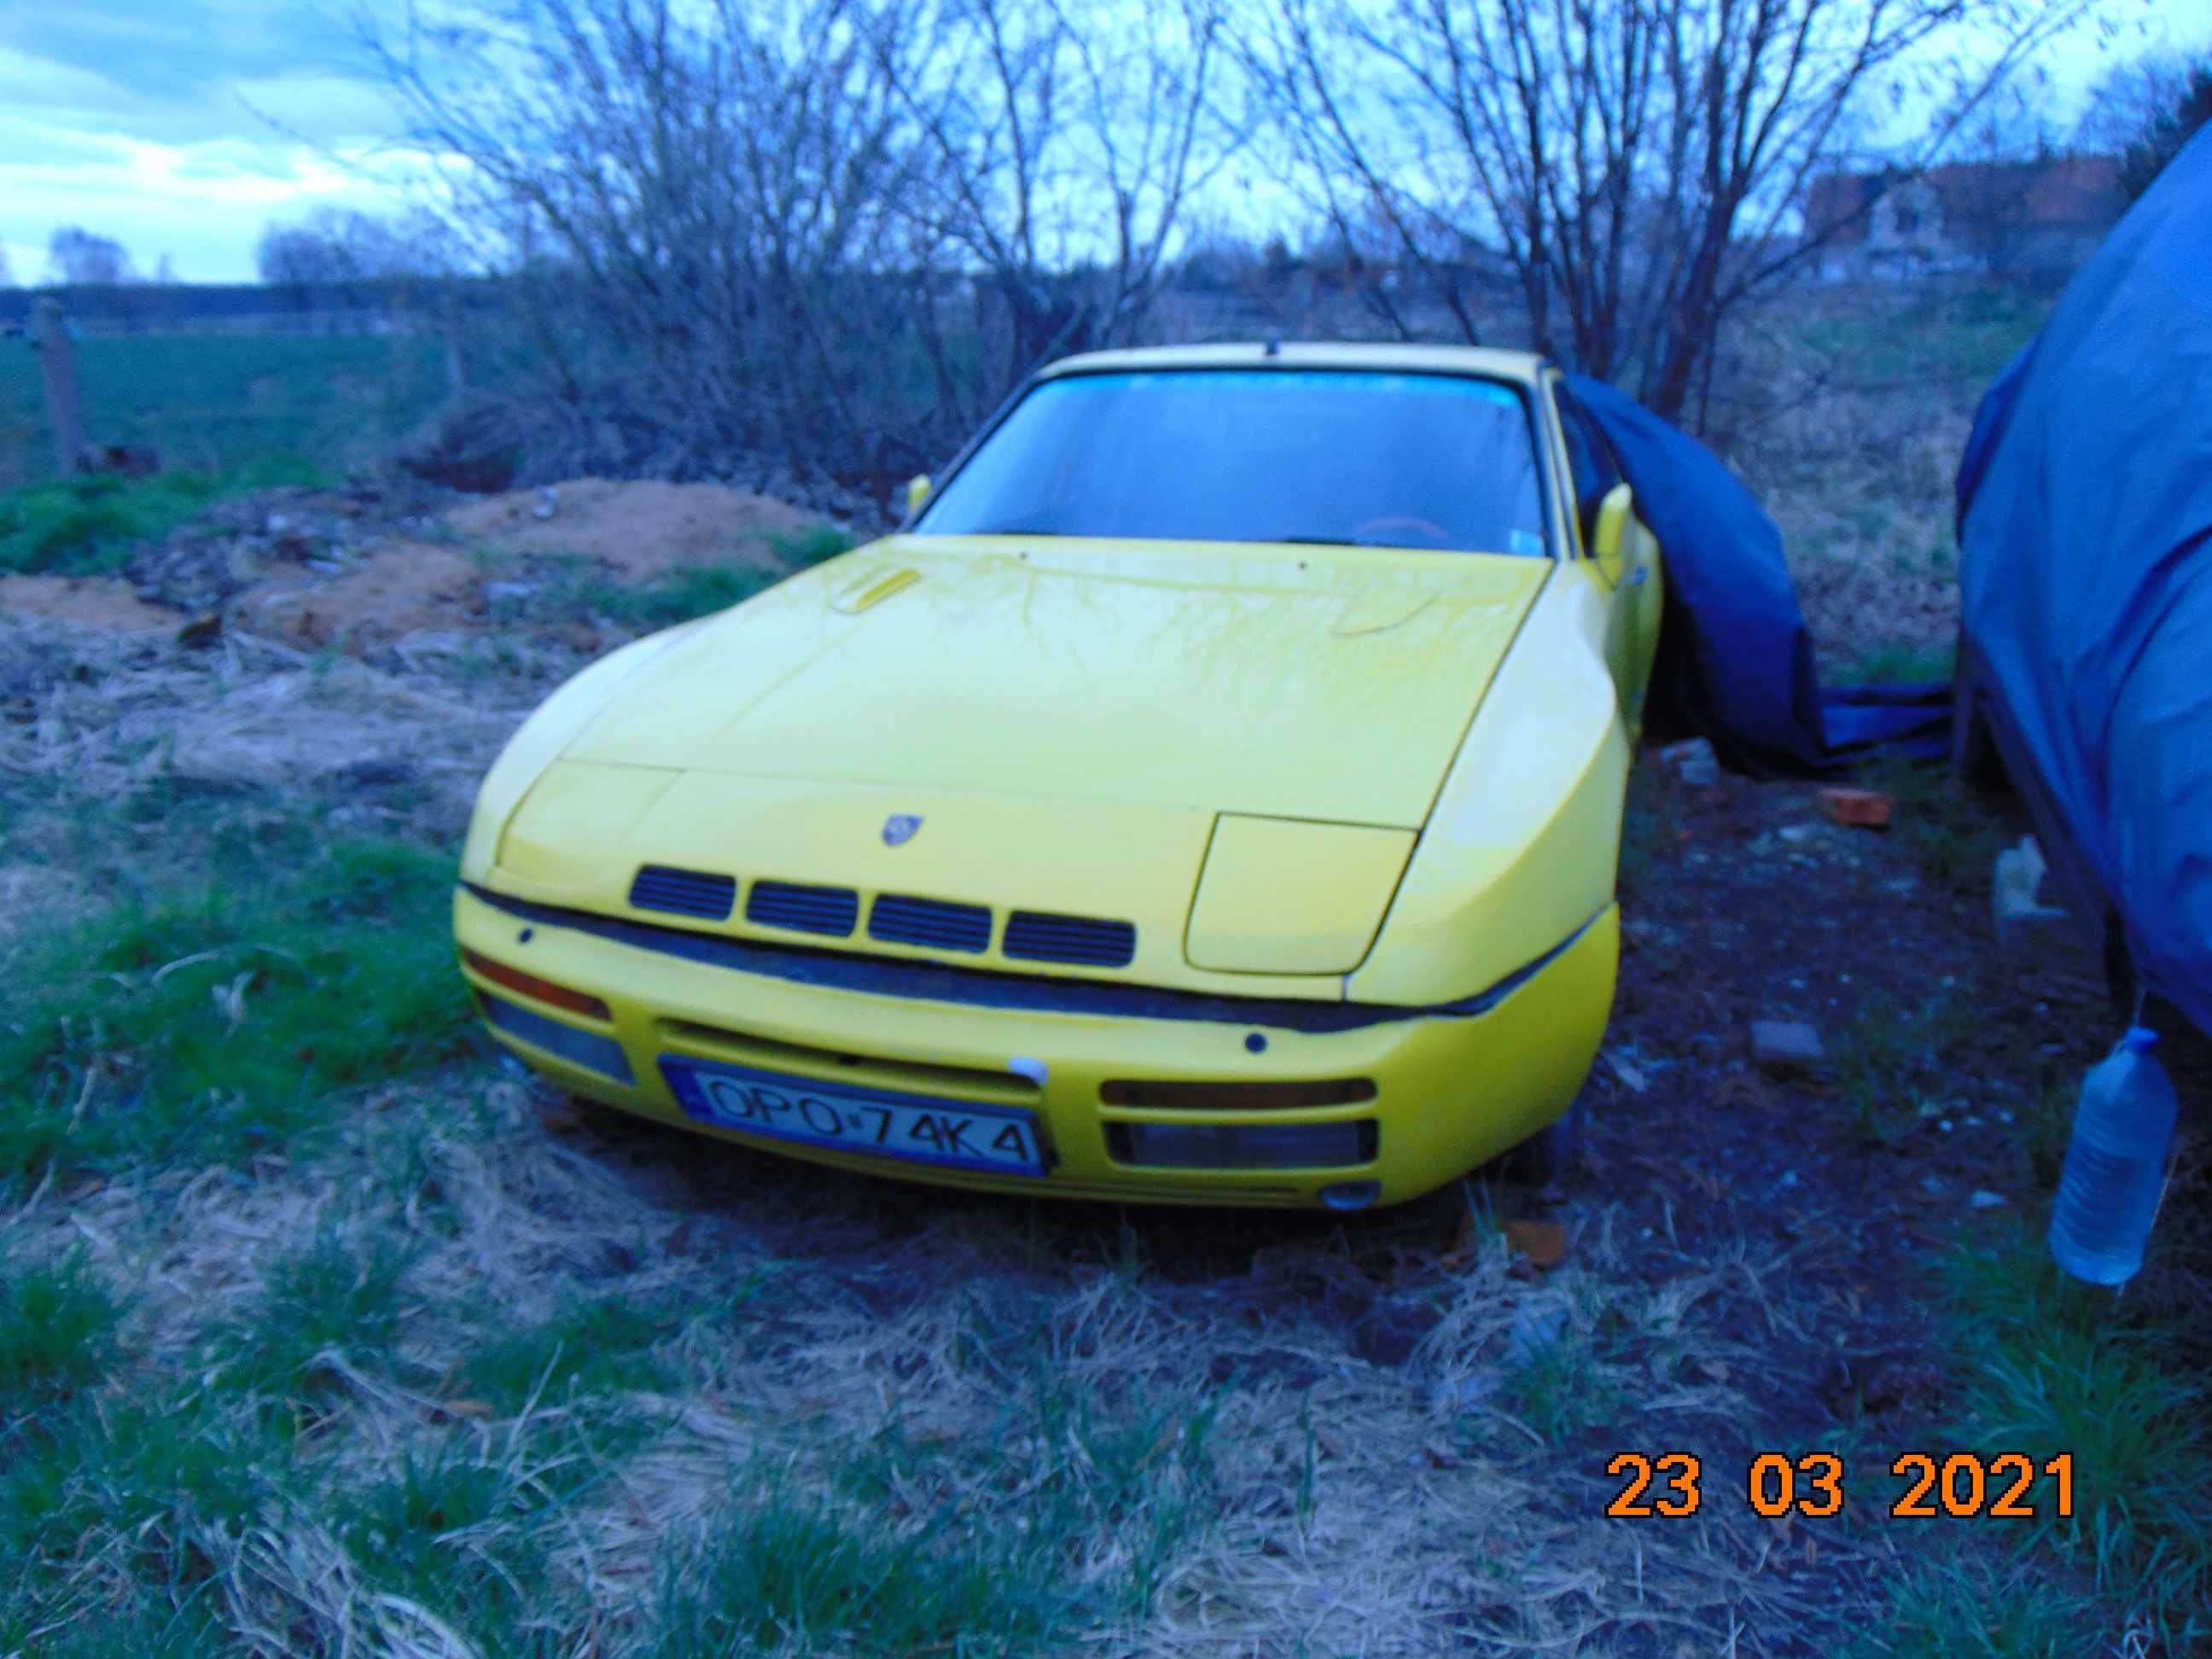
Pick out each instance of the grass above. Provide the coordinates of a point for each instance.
(695, 591)
(268, 1469)
(799, 549)
(563, 588)
(90, 525)
(332, 1307)
(205, 1025)
(59, 1325)
(107, 1499)
(593, 1347)
(786, 1573)
(1954, 835)
(2045, 1366)
(567, 587)
(1064, 1476)
(1967, 332)
(1975, 1610)
(1561, 1390)
(1905, 664)
(1886, 1054)
(455, 1527)
(112, 1522)
(215, 404)
(2060, 1367)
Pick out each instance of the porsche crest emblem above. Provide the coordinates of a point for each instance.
(900, 827)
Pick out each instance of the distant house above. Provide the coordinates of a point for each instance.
(2034, 219)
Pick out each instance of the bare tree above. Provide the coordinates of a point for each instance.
(831, 232)
(2144, 112)
(681, 200)
(1064, 155)
(78, 258)
(2131, 99)
(332, 245)
(1636, 163)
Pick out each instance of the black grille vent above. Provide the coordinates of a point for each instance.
(931, 923)
(803, 909)
(1084, 941)
(683, 892)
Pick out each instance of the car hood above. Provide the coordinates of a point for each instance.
(1286, 682)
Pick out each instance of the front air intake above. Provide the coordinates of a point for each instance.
(933, 924)
(683, 892)
(1243, 1145)
(1085, 941)
(831, 910)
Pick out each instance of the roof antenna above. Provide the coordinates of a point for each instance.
(1274, 346)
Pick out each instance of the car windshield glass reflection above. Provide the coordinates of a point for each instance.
(1423, 461)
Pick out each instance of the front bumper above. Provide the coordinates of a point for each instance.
(1452, 1089)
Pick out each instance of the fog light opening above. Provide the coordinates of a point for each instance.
(588, 1049)
(1351, 1195)
(1243, 1145)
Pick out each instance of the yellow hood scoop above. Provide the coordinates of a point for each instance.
(872, 589)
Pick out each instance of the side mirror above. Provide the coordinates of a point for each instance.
(1606, 521)
(917, 492)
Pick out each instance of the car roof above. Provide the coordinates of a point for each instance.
(1519, 367)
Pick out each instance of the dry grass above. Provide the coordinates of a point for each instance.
(1219, 1473)
(1846, 411)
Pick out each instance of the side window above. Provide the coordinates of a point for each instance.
(1589, 459)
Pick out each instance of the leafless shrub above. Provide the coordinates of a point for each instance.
(1634, 163)
(819, 236)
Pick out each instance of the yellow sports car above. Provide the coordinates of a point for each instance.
(1212, 792)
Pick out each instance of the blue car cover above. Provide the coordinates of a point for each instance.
(1735, 660)
(2085, 537)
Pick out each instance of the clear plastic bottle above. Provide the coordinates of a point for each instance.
(2115, 1162)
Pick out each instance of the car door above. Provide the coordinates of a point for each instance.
(1620, 552)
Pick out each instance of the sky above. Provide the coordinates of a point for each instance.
(177, 127)
(181, 128)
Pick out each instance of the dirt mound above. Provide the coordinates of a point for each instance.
(406, 588)
(243, 541)
(104, 602)
(361, 569)
(640, 527)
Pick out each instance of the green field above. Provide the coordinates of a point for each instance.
(214, 404)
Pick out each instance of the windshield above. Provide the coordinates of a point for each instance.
(1336, 456)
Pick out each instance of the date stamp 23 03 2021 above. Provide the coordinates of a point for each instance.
(2009, 1486)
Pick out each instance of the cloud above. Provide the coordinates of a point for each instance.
(204, 206)
(181, 127)
(167, 54)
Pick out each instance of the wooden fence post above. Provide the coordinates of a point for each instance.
(64, 403)
(457, 374)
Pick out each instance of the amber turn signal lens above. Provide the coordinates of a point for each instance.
(556, 996)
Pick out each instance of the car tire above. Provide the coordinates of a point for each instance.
(1974, 753)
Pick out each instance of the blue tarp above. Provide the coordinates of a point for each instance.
(2085, 535)
(1735, 659)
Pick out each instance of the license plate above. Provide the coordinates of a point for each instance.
(913, 1128)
